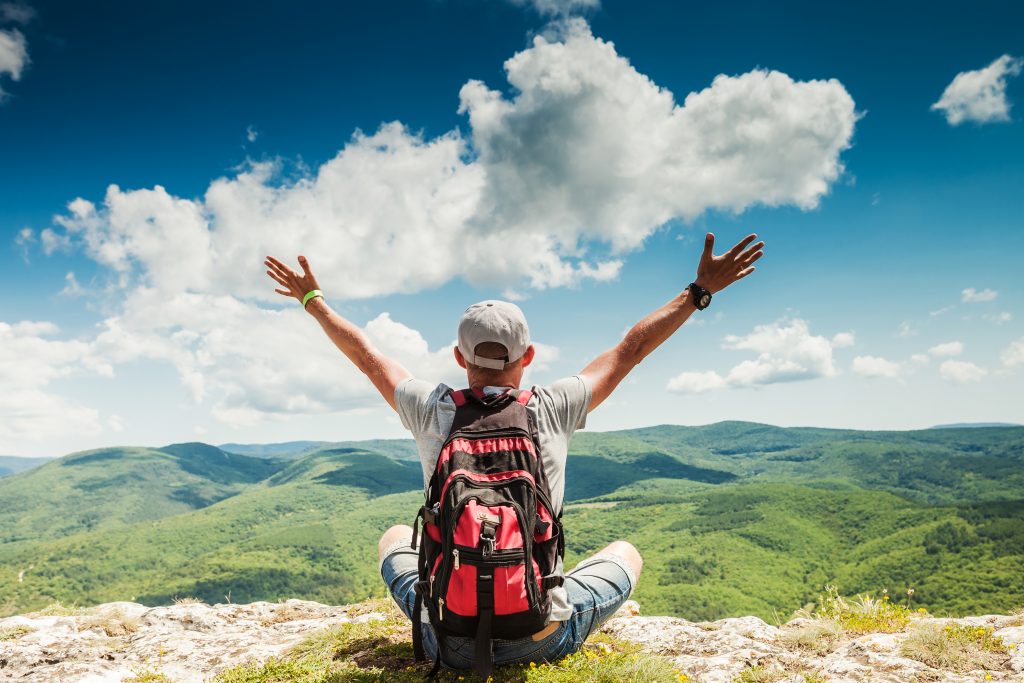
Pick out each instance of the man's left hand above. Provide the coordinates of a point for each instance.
(293, 284)
(715, 273)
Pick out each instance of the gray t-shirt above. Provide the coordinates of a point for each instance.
(558, 410)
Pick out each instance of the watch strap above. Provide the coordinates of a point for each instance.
(699, 294)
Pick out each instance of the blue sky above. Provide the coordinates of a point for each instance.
(570, 158)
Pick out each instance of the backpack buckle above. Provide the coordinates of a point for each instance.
(488, 531)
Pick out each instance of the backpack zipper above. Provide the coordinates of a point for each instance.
(490, 434)
(533, 598)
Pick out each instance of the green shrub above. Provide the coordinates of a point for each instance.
(959, 647)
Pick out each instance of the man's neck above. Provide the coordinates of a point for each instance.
(509, 384)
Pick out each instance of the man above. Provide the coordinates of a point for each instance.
(494, 349)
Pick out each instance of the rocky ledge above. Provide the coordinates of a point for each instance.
(190, 641)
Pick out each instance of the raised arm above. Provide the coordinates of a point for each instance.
(384, 372)
(714, 273)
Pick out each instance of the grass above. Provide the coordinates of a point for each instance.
(58, 609)
(760, 674)
(288, 613)
(187, 600)
(14, 632)
(112, 622)
(958, 647)
(381, 650)
(146, 673)
(147, 676)
(863, 614)
(819, 636)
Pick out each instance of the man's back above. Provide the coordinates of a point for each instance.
(427, 410)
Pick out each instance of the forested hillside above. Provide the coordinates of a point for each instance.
(732, 518)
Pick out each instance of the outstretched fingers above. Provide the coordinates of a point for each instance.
(278, 278)
(741, 245)
(749, 258)
(279, 267)
(752, 250)
(732, 253)
(305, 266)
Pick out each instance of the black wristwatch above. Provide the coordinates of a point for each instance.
(701, 296)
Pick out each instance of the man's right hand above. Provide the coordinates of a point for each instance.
(295, 285)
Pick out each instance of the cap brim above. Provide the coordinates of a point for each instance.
(492, 363)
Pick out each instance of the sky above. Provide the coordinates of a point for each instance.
(569, 155)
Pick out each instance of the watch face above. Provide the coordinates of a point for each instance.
(705, 300)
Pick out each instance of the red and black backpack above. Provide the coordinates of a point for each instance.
(491, 542)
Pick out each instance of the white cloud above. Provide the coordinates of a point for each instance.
(979, 96)
(696, 382)
(250, 364)
(953, 348)
(408, 345)
(251, 134)
(1013, 355)
(25, 238)
(842, 340)
(29, 364)
(961, 371)
(906, 330)
(13, 55)
(940, 311)
(242, 360)
(514, 204)
(115, 423)
(71, 286)
(556, 181)
(971, 295)
(16, 12)
(558, 8)
(53, 241)
(873, 366)
(1000, 318)
(786, 352)
(920, 359)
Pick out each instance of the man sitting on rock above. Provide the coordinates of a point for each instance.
(494, 348)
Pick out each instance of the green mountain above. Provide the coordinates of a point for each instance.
(112, 487)
(12, 464)
(734, 518)
(286, 449)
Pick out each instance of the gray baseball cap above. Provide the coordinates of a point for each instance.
(493, 321)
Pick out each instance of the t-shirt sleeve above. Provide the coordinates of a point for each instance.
(566, 403)
(412, 399)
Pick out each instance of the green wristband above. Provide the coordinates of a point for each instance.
(313, 293)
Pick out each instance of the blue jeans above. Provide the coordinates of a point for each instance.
(597, 587)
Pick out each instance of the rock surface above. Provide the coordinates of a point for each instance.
(193, 641)
(185, 642)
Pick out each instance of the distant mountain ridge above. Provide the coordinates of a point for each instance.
(733, 518)
(12, 464)
(967, 425)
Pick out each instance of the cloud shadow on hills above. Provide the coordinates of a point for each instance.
(588, 476)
